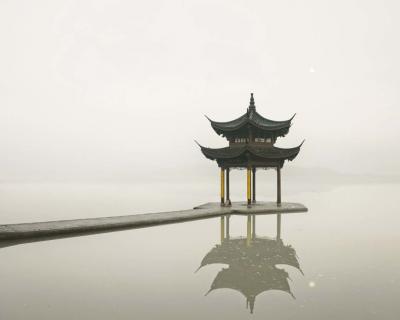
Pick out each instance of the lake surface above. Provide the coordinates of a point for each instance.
(340, 260)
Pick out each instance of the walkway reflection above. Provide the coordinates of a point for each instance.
(252, 262)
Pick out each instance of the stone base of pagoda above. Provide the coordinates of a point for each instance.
(260, 207)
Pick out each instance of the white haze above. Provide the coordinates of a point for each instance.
(113, 89)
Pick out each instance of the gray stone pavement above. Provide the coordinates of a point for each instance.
(94, 225)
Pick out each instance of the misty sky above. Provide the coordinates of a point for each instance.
(114, 88)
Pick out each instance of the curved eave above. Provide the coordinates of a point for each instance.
(247, 295)
(232, 251)
(258, 119)
(250, 282)
(230, 262)
(223, 153)
(271, 128)
(224, 130)
(229, 125)
(254, 119)
(272, 153)
(279, 153)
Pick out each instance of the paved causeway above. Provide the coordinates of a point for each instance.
(93, 225)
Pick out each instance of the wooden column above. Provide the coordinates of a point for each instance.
(278, 186)
(254, 185)
(222, 186)
(249, 186)
(228, 197)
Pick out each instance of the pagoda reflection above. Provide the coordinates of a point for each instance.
(252, 262)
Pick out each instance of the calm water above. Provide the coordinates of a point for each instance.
(347, 246)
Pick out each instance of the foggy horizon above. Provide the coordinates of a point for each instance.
(94, 89)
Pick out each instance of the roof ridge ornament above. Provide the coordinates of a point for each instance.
(252, 105)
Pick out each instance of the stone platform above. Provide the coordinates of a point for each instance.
(64, 228)
(261, 207)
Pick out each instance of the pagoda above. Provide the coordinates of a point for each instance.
(251, 146)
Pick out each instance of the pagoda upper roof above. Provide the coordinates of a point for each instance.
(251, 117)
(266, 152)
(252, 281)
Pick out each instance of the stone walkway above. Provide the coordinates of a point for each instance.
(94, 225)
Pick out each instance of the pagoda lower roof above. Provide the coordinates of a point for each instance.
(262, 252)
(265, 152)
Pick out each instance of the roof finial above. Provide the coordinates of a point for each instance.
(251, 300)
(252, 106)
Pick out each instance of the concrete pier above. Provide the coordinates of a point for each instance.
(106, 224)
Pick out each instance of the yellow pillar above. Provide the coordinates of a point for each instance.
(248, 186)
(222, 186)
